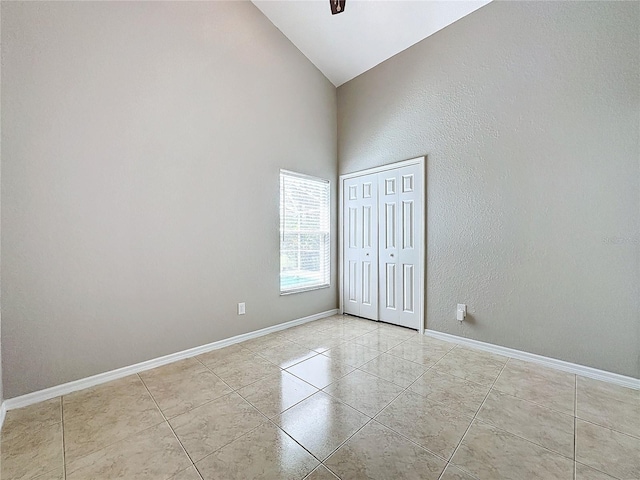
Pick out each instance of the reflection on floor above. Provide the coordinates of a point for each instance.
(342, 398)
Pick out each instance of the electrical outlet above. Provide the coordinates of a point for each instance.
(461, 312)
(241, 309)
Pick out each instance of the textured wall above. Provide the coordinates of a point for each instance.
(1, 388)
(530, 116)
(141, 149)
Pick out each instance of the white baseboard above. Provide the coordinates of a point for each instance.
(590, 372)
(3, 412)
(66, 388)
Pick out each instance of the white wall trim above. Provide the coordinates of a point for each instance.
(66, 388)
(590, 372)
(3, 413)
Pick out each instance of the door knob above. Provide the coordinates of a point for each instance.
(391, 254)
(367, 254)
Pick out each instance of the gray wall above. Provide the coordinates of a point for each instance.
(141, 149)
(530, 116)
(1, 389)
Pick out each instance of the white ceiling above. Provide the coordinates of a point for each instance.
(367, 33)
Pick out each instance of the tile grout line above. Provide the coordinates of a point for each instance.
(446, 462)
(169, 425)
(553, 409)
(575, 428)
(64, 454)
(268, 420)
(474, 418)
(537, 404)
(406, 389)
(229, 443)
(118, 441)
(591, 422)
(128, 436)
(343, 443)
(372, 419)
(297, 443)
(603, 472)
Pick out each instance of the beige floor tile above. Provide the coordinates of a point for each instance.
(189, 474)
(265, 341)
(394, 369)
(264, 453)
(205, 429)
(30, 449)
(321, 473)
(181, 386)
(348, 332)
(609, 405)
(545, 386)
(524, 430)
(320, 341)
(418, 353)
(350, 320)
(244, 371)
(102, 415)
(490, 453)
(428, 424)
(378, 340)
(376, 452)
(302, 332)
(352, 354)
(474, 365)
(454, 473)
(287, 354)
(276, 393)
(328, 322)
(396, 331)
(320, 371)
(587, 473)
(364, 392)
(117, 393)
(57, 474)
(548, 428)
(435, 343)
(454, 392)
(614, 453)
(151, 454)
(39, 414)
(320, 423)
(232, 353)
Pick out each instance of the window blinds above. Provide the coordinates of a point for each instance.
(305, 235)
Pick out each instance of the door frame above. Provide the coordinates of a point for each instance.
(421, 162)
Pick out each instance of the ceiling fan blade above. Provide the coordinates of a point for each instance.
(337, 6)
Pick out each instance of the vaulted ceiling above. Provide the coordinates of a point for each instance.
(367, 33)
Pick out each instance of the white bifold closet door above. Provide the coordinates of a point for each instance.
(383, 224)
(361, 246)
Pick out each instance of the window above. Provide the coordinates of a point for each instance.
(304, 233)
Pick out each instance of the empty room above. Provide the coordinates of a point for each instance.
(320, 239)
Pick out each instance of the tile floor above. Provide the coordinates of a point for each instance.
(341, 398)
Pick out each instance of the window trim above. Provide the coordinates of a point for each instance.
(315, 287)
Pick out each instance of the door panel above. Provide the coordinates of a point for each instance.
(407, 224)
(399, 253)
(390, 284)
(390, 225)
(361, 246)
(388, 247)
(407, 289)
